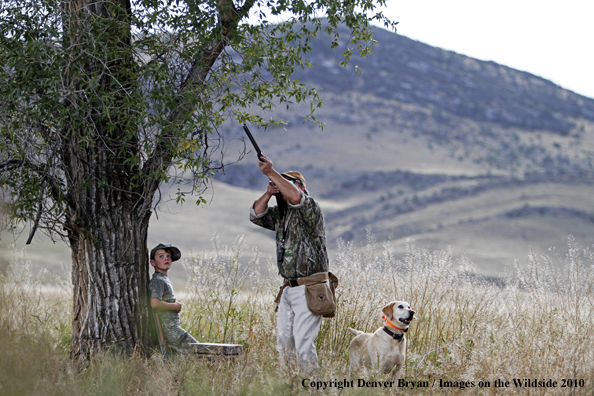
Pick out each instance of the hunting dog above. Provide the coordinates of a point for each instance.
(384, 350)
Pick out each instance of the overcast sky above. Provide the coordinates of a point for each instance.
(550, 39)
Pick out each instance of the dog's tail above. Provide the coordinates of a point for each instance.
(355, 332)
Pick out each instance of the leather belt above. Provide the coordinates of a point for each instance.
(315, 278)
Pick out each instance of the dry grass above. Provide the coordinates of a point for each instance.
(536, 323)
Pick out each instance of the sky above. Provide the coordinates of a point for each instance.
(550, 39)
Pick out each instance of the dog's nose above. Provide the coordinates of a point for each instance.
(412, 313)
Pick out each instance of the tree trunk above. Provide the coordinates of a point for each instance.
(108, 208)
(110, 275)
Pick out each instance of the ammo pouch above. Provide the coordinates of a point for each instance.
(319, 293)
(320, 296)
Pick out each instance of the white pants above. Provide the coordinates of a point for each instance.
(297, 328)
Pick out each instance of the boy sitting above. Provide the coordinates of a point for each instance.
(163, 301)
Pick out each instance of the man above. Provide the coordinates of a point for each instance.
(301, 253)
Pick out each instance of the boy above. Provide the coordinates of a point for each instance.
(163, 301)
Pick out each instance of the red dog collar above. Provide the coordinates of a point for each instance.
(391, 324)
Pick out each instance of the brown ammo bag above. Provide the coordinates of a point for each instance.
(320, 294)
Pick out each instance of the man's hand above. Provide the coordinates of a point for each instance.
(280, 184)
(265, 165)
(261, 204)
(272, 189)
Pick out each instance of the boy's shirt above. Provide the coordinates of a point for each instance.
(160, 287)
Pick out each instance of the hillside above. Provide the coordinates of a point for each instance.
(425, 144)
(441, 148)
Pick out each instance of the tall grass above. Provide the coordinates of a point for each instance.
(534, 322)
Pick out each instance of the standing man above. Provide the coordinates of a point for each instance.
(301, 253)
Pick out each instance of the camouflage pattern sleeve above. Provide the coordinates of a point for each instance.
(302, 202)
(268, 219)
(156, 288)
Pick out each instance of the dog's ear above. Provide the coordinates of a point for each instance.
(388, 310)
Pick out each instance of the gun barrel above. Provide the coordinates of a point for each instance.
(280, 202)
(249, 134)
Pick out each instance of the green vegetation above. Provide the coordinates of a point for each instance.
(538, 323)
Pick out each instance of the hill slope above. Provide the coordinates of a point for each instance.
(442, 148)
(424, 144)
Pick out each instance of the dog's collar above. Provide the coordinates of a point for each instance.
(397, 337)
(392, 325)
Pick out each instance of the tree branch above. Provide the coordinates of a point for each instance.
(11, 164)
(57, 193)
(37, 218)
(229, 18)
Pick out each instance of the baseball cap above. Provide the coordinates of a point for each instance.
(294, 175)
(175, 253)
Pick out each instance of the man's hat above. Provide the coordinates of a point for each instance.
(175, 253)
(294, 175)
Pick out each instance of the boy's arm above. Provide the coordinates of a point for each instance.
(164, 306)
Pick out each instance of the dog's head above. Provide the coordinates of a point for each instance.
(399, 312)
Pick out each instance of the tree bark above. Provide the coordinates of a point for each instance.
(108, 206)
(110, 275)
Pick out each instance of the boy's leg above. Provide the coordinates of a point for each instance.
(184, 345)
(285, 342)
(306, 326)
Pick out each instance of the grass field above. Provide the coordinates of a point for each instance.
(478, 227)
(469, 335)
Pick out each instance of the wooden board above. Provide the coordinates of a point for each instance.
(206, 348)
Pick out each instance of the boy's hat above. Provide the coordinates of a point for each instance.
(294, 175)
(175, 253)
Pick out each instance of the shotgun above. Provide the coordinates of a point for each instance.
(280, 202)
(249, 135)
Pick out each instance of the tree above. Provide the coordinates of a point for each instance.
(101, 101)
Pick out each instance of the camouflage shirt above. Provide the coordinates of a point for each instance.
(160, 287)
(304, 237)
